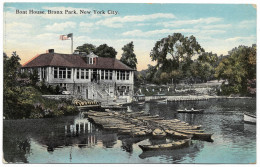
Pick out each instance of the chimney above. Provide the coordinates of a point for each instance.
(50, 51)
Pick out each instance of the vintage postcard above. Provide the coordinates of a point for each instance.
(129, 83)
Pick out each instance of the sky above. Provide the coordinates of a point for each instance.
(217, 27)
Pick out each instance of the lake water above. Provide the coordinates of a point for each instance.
(61, 140)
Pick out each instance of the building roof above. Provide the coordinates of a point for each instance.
(74, 60)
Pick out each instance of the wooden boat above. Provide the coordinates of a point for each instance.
(159, 100)
(168, 146)
(197, 135)
(178, 135)
(191, 111)
(158, 133)
(249, 118)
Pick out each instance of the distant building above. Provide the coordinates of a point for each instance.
(84, 76)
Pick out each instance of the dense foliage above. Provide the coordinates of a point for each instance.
(102, 50)
(105, 51)
(173, 55)
(238, 69)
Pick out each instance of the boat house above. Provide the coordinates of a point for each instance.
(84, 76)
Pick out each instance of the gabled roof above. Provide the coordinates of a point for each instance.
(74, 60)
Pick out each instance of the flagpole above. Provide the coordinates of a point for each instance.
(72, 44)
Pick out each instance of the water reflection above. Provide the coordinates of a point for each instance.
(60, 138)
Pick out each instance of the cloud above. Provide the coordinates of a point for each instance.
(87, 26)
(60, 26)
(251, 39)
(246, 24)
(139, 33)
(215, 26)
(179, 23)
(17, 26)
(117, 22)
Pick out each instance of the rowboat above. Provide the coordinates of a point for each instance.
(167, 146)
(191, 111)
(177, 135)
(159, 100)
(249, 118)
(197, 135)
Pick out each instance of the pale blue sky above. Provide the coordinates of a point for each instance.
(218, 28)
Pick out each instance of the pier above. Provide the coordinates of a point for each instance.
(140, 124)
(184, 98)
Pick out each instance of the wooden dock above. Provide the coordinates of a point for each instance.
(140, 124)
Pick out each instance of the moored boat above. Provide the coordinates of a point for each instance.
(167, 146)
(197, 135)
(191, 111)
(249, 118)
(159, 100)
(177, 135)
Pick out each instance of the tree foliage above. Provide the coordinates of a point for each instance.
(128, 55)
(237, 68)
(105, 51)
(175, 48)
(174, 57)
(86, 48)
(102, 50)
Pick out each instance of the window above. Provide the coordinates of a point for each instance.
(106, 75)
(90, 60)
(117, 75)
(94, 60)
(68, 72)
(79, 89)
(43, 71)
(77, 73)
(82, 73)
(102, 74)
(55, 72)
(62, 72)
(86, 74)
(127, 75)
(123, 76)
(110, 74)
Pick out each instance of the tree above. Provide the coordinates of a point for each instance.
(11, 89)
(105, 51)
(175, 48)
(174, 53)
(11, 69)
(128, 56)
(238, 68)
(150, 73)
(86, 48)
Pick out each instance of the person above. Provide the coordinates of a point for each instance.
(192, 109)
(185, 109)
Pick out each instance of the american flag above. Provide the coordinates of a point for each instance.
(66, 37)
